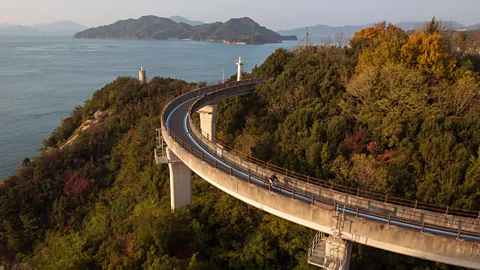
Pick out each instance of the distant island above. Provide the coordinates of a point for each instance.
(237, 31)
(58, 28)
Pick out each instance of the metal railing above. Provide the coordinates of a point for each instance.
(447, 223)
(330, 184)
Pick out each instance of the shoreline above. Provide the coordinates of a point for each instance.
(188, 39)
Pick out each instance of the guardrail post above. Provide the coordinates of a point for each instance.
(335, 206)
(423, 226)
(202, 156)
(190, 150)
(356, 214)
(215, 162)
(286, 172)
(308, 179)
(249, 178)
(459, 233)
(389, 217)
(313, 200)
(386, 198)
(478, 215)
(358, 192)
(293, 194)
(416, 204)
(446, 211)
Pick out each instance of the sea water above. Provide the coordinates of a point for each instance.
(42, 79)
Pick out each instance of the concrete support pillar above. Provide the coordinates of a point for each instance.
(180, 182)
(348, 254)
(208, 115)
(338, 250)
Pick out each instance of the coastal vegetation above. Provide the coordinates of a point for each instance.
(242, 30)
(394, 112)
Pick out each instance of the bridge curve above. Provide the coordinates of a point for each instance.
(385, 223)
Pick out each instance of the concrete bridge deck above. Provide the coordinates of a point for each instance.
(424, 234)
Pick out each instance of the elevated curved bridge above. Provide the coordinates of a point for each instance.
(413, 228)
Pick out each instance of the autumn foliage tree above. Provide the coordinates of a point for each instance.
(429, 53)
(76, 183)
(365, 37)
(354, 143)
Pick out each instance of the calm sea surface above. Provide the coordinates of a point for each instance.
(42, 79)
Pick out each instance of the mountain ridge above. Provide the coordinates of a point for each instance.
(474, 27)
(349, 30)
(236, 30)
(180, 19)
(63, 27)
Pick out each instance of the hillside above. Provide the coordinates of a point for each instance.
(243, 30)
(94, 198)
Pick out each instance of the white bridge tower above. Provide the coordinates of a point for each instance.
(240, 69)
(142, 75)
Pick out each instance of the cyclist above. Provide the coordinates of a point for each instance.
(273, 179)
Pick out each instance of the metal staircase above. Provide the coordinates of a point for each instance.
(316, 254)
(160, 151)
(330, 252)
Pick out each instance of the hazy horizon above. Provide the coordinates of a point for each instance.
(278, 15)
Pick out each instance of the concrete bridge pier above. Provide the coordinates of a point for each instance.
(180, 174)
(208, 116)
(338, 254)
(180, 182)
(330, 252)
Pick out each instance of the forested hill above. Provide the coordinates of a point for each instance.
(94, 198)
(243, 30)
(394, 112)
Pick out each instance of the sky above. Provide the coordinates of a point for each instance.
(274, 14)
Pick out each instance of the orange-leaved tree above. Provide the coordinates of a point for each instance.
(429, 54)
(379, 45)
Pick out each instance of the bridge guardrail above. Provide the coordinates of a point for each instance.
(384, 204)
(446, 222)
(389, 220)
